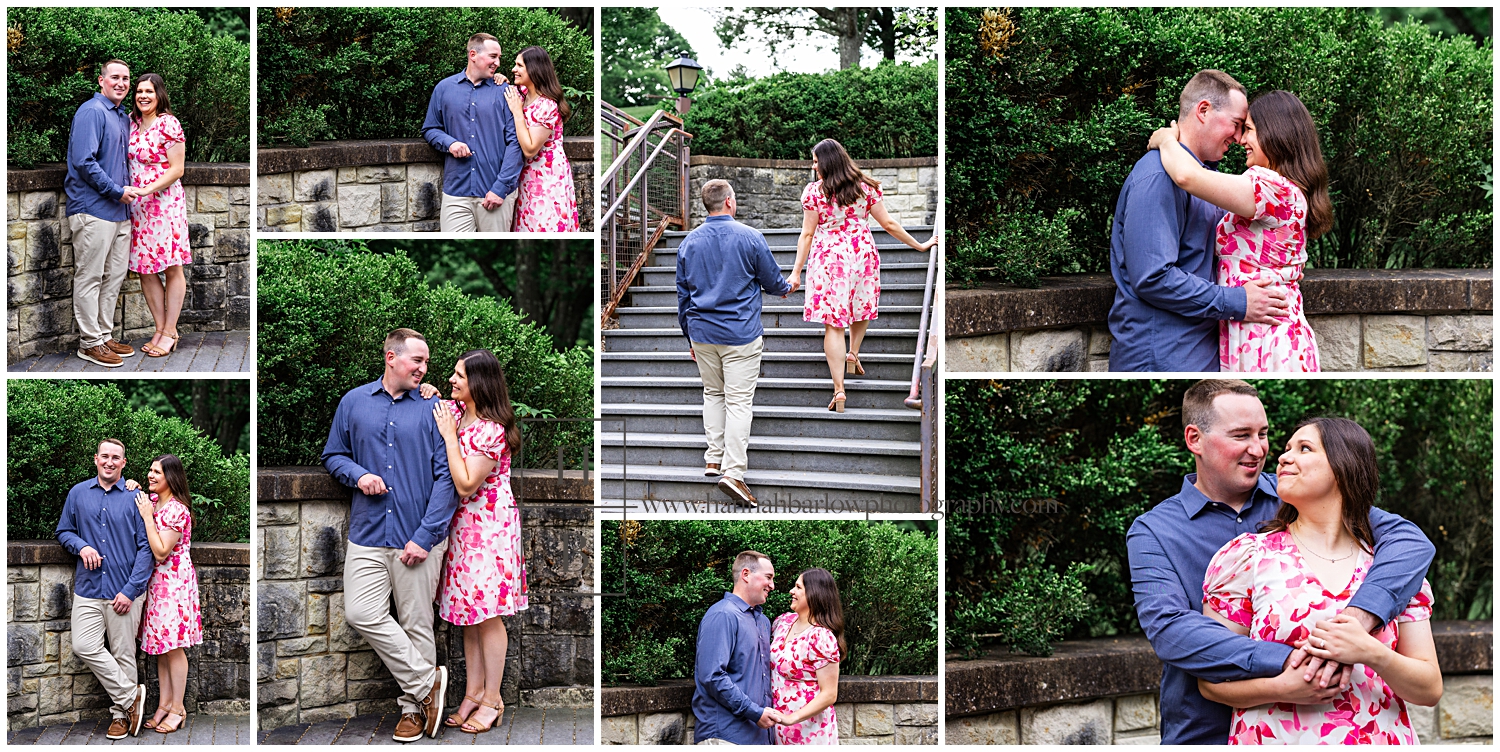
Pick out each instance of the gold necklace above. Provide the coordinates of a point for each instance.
(1307, 548)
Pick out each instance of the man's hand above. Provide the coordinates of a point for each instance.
(692, 354)
(413, 554)
(794, 282)
(768, 718)
(120, 604)
(91, 558)
(371, 484)
(492, 202)
(459, 149)
(1264, 304)
(129, 194)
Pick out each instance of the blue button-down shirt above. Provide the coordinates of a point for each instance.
(1170, 548)
(396, 439)
(732, 677)
(722, 269)
(97, 172)
(478, 116)
(1167, 304)
(108, 521)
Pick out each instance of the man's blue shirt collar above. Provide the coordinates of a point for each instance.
(108, 105)
(1194, 501)
(378, 385)
(100, 486)
(739, 603)
(719, 218)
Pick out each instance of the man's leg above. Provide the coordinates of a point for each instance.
(457, 214)
(116, 264)
(711, 369)
(93, 239)
(415, 590)
(93, 631)
(370, 577)
(741, 366)
(498, 219)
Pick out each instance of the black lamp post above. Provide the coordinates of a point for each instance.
(682, 73)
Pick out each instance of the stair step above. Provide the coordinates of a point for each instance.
(769, 453)
(785, 339)
(777, 490)
(814, 392)
(770, 444)
(876, 424)
(804, 365)
(666, 295)
(771, 316)
(912, 273)
(787, 236)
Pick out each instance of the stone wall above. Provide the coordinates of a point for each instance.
(1364, 320)
(49, 685)
(769, 191)
(40, 276)
(1105, 691)
(870, 710)
(393, 185)
(311, 666)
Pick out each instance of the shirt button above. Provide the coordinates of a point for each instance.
(1239, 519)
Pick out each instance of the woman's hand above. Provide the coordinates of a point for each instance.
(146, 506)
(513, 98)
(1163, 136)
(1344, 639)
(930, 244)
(445, 423)
(795, 280)
(428, 391)
(131, 485)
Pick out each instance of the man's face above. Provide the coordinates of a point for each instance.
(110, 461)
(114, 83)
(410, 366)
(486, 59)
(1224, 126)
(761, 583)
(1233, 451)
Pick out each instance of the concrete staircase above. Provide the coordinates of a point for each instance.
(802, 456)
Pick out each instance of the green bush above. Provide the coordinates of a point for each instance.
(55, 428)
(884, 112)
(671, 572)
(1064, 467)
(324, 310)
(1049, 108)
(54, 60)
(349, 73)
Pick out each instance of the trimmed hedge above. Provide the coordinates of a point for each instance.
(1072, 463)
(55, 428)
(325, 307)
(54, 58)
(885, 112)
(675, 570)
(351, 73)
(1049, 108)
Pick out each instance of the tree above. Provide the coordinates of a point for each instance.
(910, 31)
(889, 30)
(218, 408)
(640, 46)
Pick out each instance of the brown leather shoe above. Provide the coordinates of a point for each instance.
(101, 355)
(737, 490)
(120, 348)
(118, 729)
(409, 728)
(137, 709)
(432, 704)
(711, 470)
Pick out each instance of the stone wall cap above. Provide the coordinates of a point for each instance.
(204, 553)
(677, 694)
(327, 155)
(311, 482)
(806, 164)
(49, 176)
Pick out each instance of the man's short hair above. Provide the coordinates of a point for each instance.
(477, 41)
(396, 341)
(1210, 84)
(1198, 400)
(715, 193)
(745, 560)
(116, 442)
(113, 61)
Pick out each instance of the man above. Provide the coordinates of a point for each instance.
(723, 267)
(99, 197)
(385, 445)
(732, 674)
(101, 526)
(1170, 546)
(468, 119)
(1168, 304)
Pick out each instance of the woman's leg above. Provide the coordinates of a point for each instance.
(494, 641)
(474, 668)
(178, 666)
(833, 350)
(163, 688)
(175, 293)
(857, 336)
(155, 296)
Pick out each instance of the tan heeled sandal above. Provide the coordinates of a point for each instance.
(837, 405)
(852, 366)
(151, 352)
(456, 720)
(166, 727)
(472, 727)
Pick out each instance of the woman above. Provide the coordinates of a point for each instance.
(546, 202)
(1303, 568)
(173, 621)
(1274, 208)
(484, 575)
(806, 646)
(843, 265)
(158, 218)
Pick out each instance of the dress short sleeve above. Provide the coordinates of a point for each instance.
(783, 622)
(543, 113)
(171, 129)
(822, 647)
(1231, 573)
(873, 195)
(1420, 607)
(810, 196)
(489, 438)
(174, 517)
(1275, 196)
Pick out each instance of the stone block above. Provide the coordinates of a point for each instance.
(979, 354)
(1137, 738)
(279, 609)
(68, 662)
(324, 530)
(35, 670)
(393, 202)
(301, 646)
(24, 644)
(39, 205)
(365, 665)
(424, 190)
(916, 714)
(1099, 341)
(909, 735)
(549, 661)
(44, 246)
(25, 603)
(221, 680)
(239, 216)
(1048, 350)
(12, 206)
(22, 574)
(1338, 339)
(239, 195)
(347, 175)
(1424, 722)
(559, 697)
(281, 546)
(49, 318)
(380, 173)
(317, 613)
(200, 231)
(1469, 333)
(289, 214)
(276, 716)
(274, 189)
(1076, 723)
(314, 186)
(620, 729)
(373, 690)
(1098, 365)
(1467, 708)
(265, 661)
(341, 636)
(660, 728)
(874, 719)
(340, 712)
(213, 198)
(1394, 341)
(322, 681)
(56, 591)
(231, 244)
(1471, 362)
(277, 513)
(1135, 712)
(359, 205)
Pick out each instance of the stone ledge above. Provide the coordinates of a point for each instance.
(205, 554)
(327, 155)
(1085, 298)
(49, 176)
(1105, 667)
(806, 164)
(307, 483)
(677, 694)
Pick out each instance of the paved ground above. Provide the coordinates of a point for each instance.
(521, 726)
(222, 352)
(198, 729)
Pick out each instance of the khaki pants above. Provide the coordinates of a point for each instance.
(729, 374)
(101, 253)
(105, 642)
(405, 642)
(467, 214)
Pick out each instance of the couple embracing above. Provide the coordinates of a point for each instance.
(759, 682)
(432, 520)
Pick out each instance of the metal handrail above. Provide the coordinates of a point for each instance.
(914, 397)
(645, 166)
(625, 154)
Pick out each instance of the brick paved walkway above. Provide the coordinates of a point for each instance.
(521, 726)
(197, 729)
(221, 352)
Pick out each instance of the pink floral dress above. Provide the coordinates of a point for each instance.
(1270, 245)
(1260, 582)
(843, 267)
(547, 201)
(173, 617)
(484, 573)
(158, 222)
(795, 660)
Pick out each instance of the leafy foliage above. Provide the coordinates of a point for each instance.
(1049, 108)
(54, 58)
(55, 428)
(351, 73)
(908, 31)
(671, 572)
(325, 308)
(640, 46)
(1050, 474)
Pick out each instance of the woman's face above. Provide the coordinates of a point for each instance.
(518, 73)
(1254, 157)
(156, 480)
(799, 597)
(145, 97)
(1302, 472)
(460, 382)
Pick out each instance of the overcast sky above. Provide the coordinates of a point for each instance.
(815, 54)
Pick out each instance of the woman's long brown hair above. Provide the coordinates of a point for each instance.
(1351, 456)
(491, 397)
(544, 78)
(1286, 133)
(175, 475)
(840, 176)
(823, 605)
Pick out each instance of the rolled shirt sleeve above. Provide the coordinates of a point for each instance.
(1402, 555)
